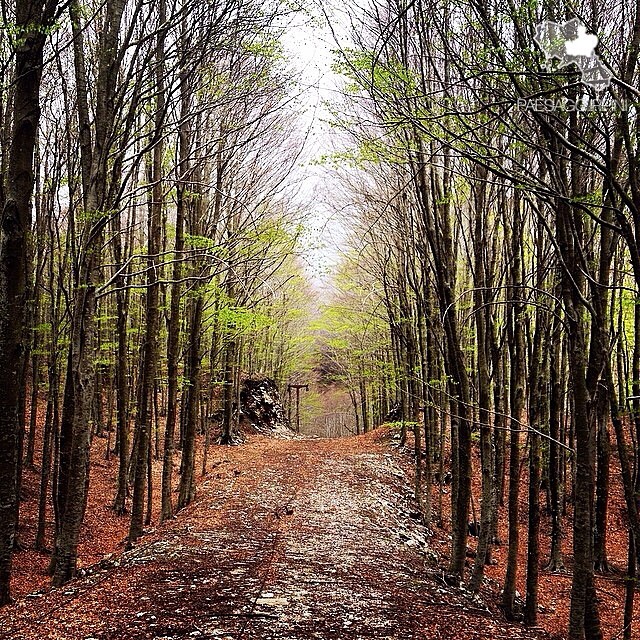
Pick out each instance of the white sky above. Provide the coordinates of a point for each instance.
(309, 43)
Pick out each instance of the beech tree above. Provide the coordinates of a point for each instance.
(31, 22)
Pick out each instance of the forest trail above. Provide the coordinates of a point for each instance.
(290, 539)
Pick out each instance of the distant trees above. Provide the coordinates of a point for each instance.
(352, 340)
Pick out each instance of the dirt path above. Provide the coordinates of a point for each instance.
(288, 539)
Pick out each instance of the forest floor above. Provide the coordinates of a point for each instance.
(296, 539)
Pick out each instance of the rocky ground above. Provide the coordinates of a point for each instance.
(292, 539)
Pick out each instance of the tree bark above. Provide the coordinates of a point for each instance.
(31, 22)
(79, 382)
(147, 378)
(484, 383)
(516, 321)
(173, 328)
(187, 488)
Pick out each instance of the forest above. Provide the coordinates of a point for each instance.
(440, 236)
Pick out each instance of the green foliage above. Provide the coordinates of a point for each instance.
(368, 151)
(350, 337)
(198, 242)
(265, 46)
(592, 198)
(365, 70)
(240, 320)
(44, 327)
(398, 424)
(91, 217)
(19, 33)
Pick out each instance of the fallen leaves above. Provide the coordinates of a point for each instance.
(314, 539)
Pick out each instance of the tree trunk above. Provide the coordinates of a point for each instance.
(555, 475)
(536, 419)
(516, 321)
(141, 483)
(79, 381)
(229, 395)
(603, 448)
(187, 488)
(583, 621)
(52, 419)
(173, 328)
(484, 384)
(32, 20)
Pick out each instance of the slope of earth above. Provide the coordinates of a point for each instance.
(288, 539)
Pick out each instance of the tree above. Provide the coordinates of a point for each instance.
(33, 19)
